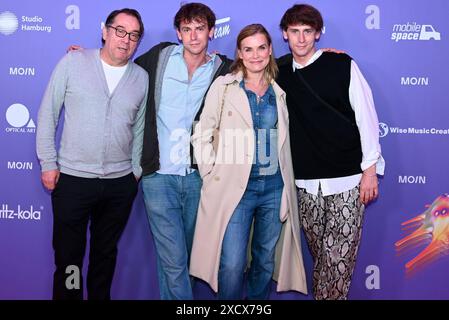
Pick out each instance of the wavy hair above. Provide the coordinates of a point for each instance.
(271, 69)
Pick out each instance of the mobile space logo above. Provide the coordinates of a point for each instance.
(414, 31)
(19, 120)
(222, 27)
(8, 23)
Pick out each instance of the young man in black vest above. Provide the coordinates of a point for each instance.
(335, 148)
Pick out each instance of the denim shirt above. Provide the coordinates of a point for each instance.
(265, 118)
(180, 100)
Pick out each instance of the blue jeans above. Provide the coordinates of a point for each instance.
(172, 202)
(261, 202)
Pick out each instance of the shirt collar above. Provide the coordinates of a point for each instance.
(315, 56)
(269, 92)
(179, 50)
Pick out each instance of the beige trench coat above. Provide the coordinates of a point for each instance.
(225, 176)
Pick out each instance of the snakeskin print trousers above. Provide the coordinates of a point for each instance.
(332, 225)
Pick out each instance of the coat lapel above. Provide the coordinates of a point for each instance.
(239, 101)
(282, 115)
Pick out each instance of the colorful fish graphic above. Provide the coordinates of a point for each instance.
(432, 225)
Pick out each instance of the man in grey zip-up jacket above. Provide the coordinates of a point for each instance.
(93, 176)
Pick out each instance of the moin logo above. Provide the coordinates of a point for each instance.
(22, 71)
(8, 23)
(430, 227)
(414, 31)
(20, 213)
(20, 165)
(412, 179)
(19, 119)
(414, 81)
(222, 27)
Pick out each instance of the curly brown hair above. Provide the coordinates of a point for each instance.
(194, 11)
(302, 14)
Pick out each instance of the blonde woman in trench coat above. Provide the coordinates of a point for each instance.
(240, 186)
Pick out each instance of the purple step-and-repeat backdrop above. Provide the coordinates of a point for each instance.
(401, 47)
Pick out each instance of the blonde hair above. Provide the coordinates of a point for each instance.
(271, 69)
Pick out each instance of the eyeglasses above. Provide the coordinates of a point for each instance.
(133, 36)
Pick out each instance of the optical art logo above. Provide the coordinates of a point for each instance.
(432, 228)
(20, 212)
(222, 27)
(19, 119)
(413, 31)
(8, 23)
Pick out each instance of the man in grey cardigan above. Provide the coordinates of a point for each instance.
(93, 176)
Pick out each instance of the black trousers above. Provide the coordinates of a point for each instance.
(107, 203)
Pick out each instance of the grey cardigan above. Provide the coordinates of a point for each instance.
(102, 131)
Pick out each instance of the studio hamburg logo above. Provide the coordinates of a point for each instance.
(8, 23)
(19, 120)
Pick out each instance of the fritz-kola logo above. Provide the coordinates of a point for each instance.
(8, 23)
(414, 31)
(20, 212)
(19, 119)
(222, 27)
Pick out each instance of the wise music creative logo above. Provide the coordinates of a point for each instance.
(385, 129)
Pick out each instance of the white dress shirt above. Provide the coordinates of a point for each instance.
(362, 103)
